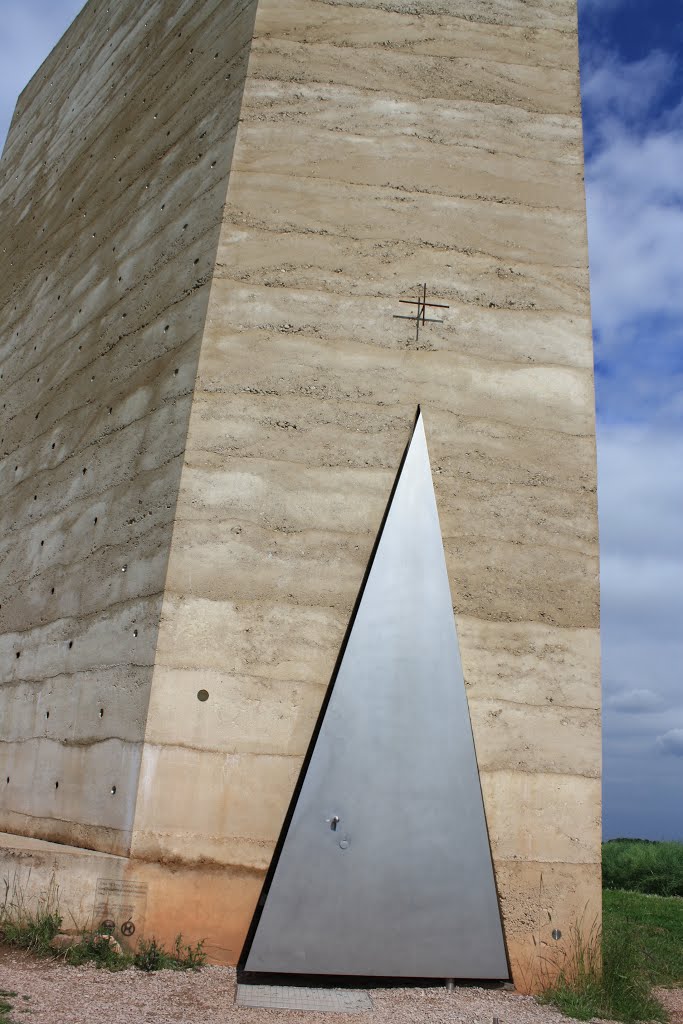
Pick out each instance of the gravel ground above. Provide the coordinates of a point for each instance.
(49, 992)
(672, 1001)
(58, 994)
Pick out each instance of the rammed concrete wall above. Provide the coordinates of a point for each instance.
(377, 149)
(112, 186)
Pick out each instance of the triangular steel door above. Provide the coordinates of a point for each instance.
(385, 869)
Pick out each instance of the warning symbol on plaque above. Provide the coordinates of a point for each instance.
(119, 907)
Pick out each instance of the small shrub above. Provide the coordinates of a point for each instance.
(153, 956)
(188, 958)
(95, 948)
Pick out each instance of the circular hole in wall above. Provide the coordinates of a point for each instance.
(71, 643)
(56, 785)
(18, 654)
(124, 568)
(101, 712)
(113, 790)
(135, 632)
(47, 714)
(203, 695)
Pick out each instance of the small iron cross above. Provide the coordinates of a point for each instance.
(421, 314)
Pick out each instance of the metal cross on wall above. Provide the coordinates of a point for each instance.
(421, 314)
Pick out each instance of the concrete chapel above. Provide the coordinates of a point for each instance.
(211, 212)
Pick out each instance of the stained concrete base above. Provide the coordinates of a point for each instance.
(215, 905)
(158, 899)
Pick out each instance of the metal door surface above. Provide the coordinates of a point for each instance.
(386, 868)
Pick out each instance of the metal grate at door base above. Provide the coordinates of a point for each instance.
(294, 997)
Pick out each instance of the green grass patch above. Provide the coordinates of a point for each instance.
(95, 948)
(656, 925)
(35, 932)
(641, 945)
(639, 865)
(6, 1006)
(28, 924)
(149, 954)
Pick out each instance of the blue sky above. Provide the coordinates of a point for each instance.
(632, 89)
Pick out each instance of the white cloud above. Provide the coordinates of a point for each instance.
(671, 742)
(635, 198)
(641, 538)
(634, 701)
(635, 209)
(625, 89)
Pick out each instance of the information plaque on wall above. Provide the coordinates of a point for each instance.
(120, 908)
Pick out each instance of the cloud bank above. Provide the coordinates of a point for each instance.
(634, 156)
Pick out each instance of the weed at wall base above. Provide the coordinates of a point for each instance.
(96, 948)
(604, 976)
(34, 924)
(152, 956)
(29, 924)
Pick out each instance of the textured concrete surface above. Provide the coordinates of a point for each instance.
(112, 186)
(377, 149)
(376, 152)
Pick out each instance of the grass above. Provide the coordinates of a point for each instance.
(95, 948)
(28, 924)
(604, 977)
(5, 1007)
(33, 924)
(611, 974)
(150, 955)
(656, 924)
(638, 865)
